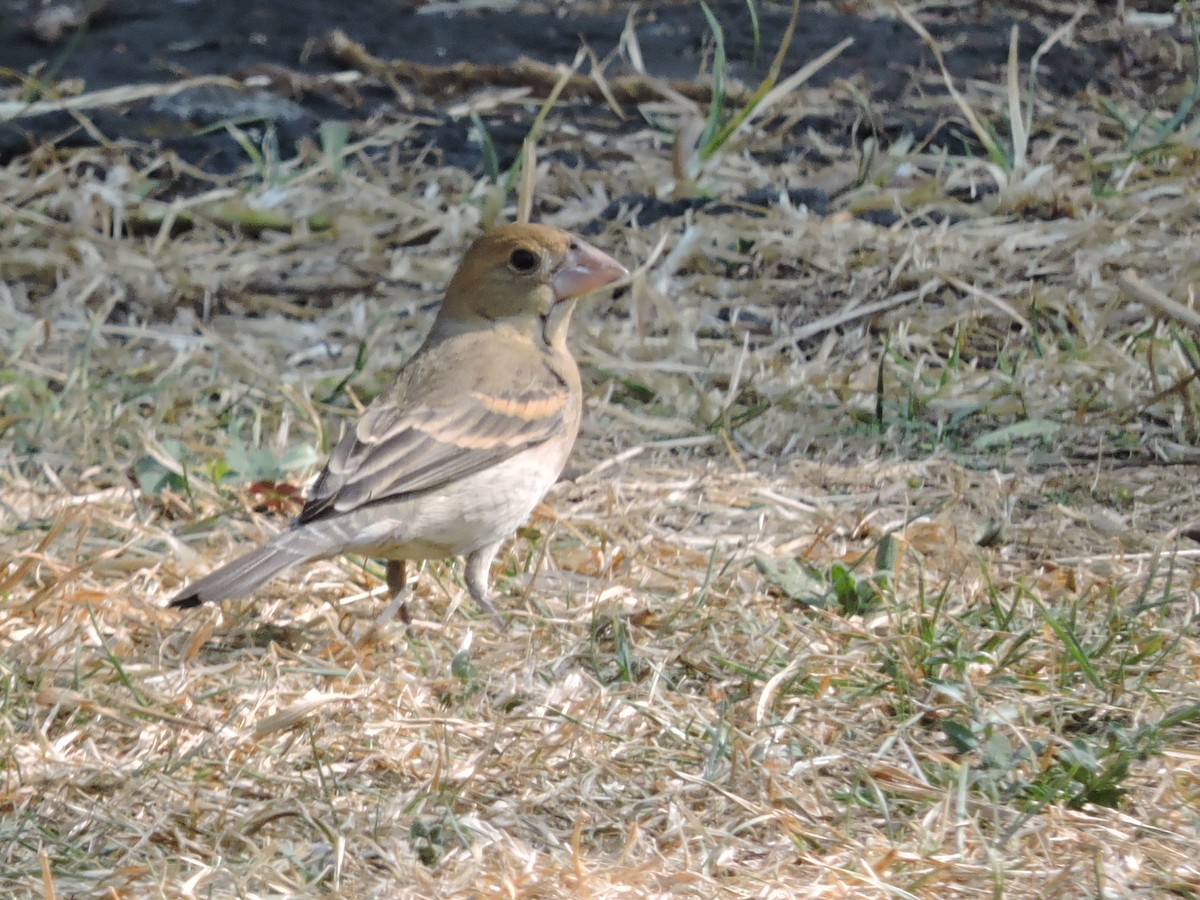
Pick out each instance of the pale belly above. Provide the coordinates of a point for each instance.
(474, 512)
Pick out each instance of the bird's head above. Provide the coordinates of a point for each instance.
(522, 276)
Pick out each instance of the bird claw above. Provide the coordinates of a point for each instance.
(487, 607)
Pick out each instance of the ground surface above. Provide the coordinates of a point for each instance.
(874, 572)
(131, 42)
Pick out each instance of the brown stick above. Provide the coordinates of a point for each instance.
(523, 72)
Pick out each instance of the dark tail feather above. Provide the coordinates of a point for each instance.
(252, 570)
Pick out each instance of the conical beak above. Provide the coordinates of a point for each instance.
(584, 270)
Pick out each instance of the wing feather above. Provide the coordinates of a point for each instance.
(393, 452)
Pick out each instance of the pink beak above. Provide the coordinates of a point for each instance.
(584, 270)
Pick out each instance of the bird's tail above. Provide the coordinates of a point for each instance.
(252, 570)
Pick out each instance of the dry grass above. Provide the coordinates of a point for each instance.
(1007, 706)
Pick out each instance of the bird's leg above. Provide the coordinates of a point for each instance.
(397, 583)
(478, 572)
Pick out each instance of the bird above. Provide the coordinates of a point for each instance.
(476, 427)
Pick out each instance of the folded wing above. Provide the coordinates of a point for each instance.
(396, 450)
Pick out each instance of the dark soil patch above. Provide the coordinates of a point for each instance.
(147, 41)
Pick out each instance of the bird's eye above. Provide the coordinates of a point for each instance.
(523, 261)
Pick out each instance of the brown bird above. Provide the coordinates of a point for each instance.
(476, 428)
